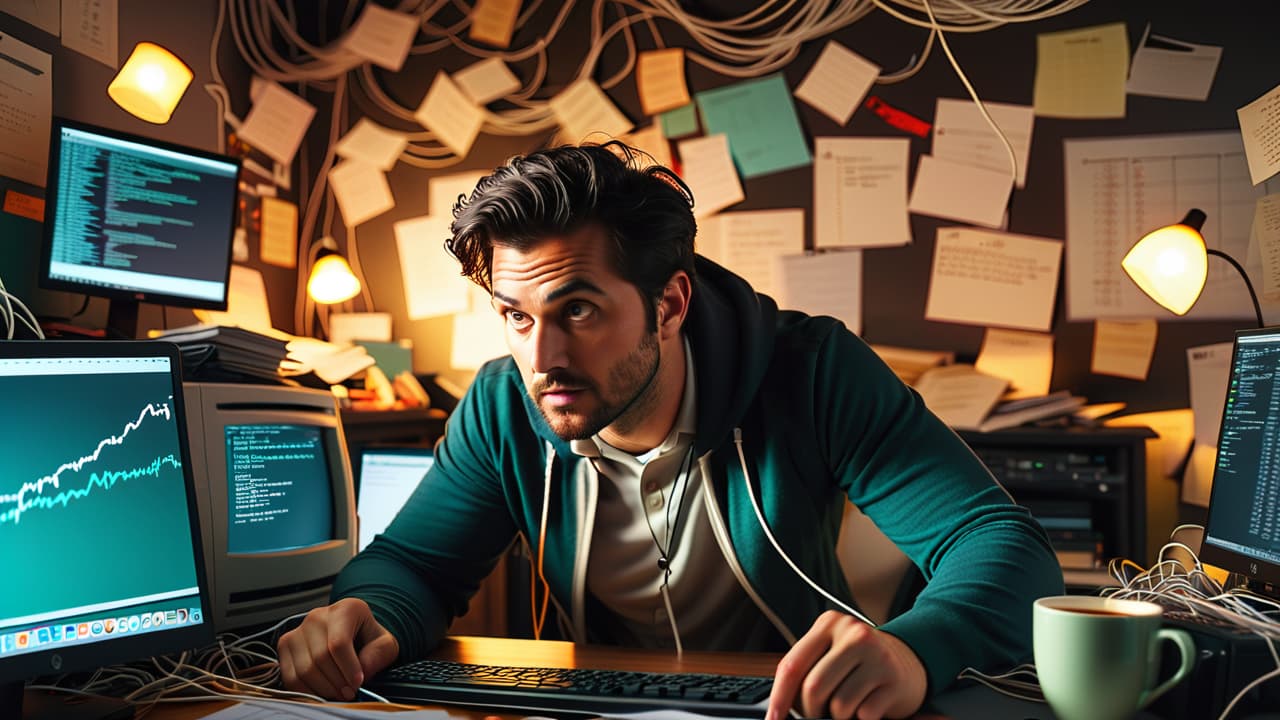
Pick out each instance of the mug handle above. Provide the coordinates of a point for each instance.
(1187, 648)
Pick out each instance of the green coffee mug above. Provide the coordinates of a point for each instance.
(1097, 658)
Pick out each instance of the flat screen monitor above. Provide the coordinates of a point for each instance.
(388, 476)
(1242, 532)
(275, 495)
(137, 220)
(100, 546)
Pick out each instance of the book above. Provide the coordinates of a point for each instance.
(1063, 405)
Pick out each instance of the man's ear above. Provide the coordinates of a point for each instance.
(673, 305)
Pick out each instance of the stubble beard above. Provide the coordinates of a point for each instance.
(632, 395)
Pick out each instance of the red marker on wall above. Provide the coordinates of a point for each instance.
(898, 118)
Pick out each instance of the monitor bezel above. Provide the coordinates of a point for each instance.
(110, 650)
(1255, 569)
(44, 276)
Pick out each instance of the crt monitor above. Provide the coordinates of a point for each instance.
(276, 502)
(1242, 532)
(387, 477)
(100, 543)
(137, 220)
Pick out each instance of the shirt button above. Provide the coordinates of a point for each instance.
(655, 502)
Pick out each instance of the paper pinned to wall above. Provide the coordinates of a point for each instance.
(92, 28)
(750, 242)
(247, 305)
(650, 139)
(1208, 367)
(382, 36)
(981, 277)
(1123, 348)
(586, 113)
(362, 191)
(277, 122)
(860, 192)
(961, 134)
(1266, 235)
(278, 241)
(1081, 73)
(760, 121)
(1164, 67)
(953, 191)
(443, 192)
(837, 82)
(26, 109)
(487, 80)
(372, 143)
(493, 21)
(1175, 428)
(432, 283)
(707, 168)
(1260, 128)
(828, 283)
(448, 113)
(680, 122)
(346, 328)
(1023, 358)
(660, 80)
(44, 14)
(477, 334)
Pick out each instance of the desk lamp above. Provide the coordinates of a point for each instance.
(1170, 265)
(331, 280)
(151, 83)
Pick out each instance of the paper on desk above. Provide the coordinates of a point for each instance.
(277, 122)
(443, 192)
(749, 243)
(1025, 359)
(837, 82)
(962, 135)
(1164, 67)
(953, 191)
(680, 122)
(1266, 235)
(92, 28)
(1208, 367)
(1123, 347)
(448, 113)
(860, 192)
(660, 80)
(433, 284)
(1081, 73)
(1260, 128)
(982, 277)
(273, 709)
(828, 283)
(26, 106)
(707, 169)
(44, 14)
(1175, 428)
(650, 139)
(370, 142)
(478, 334)
(330, 362)
(487, 80)
(959, 394)
(493, 21)
(346, 328)
(246, 302)
(362, 191)
(278, 241)
(759, 119)
(382, 36)
(586, 113)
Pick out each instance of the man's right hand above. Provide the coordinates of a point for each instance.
(334, 649)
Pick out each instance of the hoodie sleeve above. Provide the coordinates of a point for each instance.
(985, 558)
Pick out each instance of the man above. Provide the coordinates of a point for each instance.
(651, 403)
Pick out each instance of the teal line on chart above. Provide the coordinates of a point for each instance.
(106, 481)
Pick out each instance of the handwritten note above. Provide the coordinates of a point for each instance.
(759, 119)
(1025, 359)
(91, 28)
(372, 143)
(953, 191)
(362, 191)
(990, 278)
(493, 21)
(828, 283)
(707, 168)
(278, 243)
(1081, 73)
(962, 135)
(749, 243)
(1260, 127)
(837, 82)
(583, 110)
(1123, 347)
(277, 122)
(660, 80)
(382, 36)
(448, 113)
(860, 192)
(487, 80)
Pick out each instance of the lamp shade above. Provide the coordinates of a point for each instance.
(151, 83)
(1170, 264)
(331, 279)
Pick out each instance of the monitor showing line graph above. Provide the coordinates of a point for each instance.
(99, 536)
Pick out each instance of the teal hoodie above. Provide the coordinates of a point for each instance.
(818, 415)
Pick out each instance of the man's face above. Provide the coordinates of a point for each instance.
(578, 333)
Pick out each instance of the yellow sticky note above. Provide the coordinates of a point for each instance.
(278, 243)
(1123, 348)
(660, 80)
(1081, 73)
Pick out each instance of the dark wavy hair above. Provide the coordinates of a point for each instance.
(645, 210)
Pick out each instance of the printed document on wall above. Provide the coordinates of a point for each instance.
(1165, 67)
(982, 277)
(707, 168)
(828, 283)
(961, 134)
(860, 192)
(749, 243)
(1208, 370)
(954, 191)
(432, 285)
(26, 106)
(1120, 189)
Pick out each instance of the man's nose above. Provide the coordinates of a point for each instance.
(548, 348)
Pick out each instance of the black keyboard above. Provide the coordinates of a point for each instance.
(576, 691)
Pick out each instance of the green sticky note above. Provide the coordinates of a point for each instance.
(392, 358)
(760, 121)
(680, 122)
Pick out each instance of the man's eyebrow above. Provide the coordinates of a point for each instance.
(573, 286)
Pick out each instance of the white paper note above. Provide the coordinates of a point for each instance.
(1123, 347)
(478, 334)
(828, 283)
(1208, 368)
(837, 82)
(26, 106)
(1081, 73)
(960, 134)
(44, 14)
(246, 302)
(981, 277)
(346, 328)
(1174, 427)
(277, 123)
(433, 284)
(91, 28)
(1266, 234)
(443, 191)
(708, 170)
(382, 36)
(493, 21)
(278, 241)
(487, 80)
(960, 395)
(450, 114)
(860, 192)
(1260, 128)
(749, 243)
(362, 191)
(660, 80)
(1164, 67)
(585, 114)
(1025, 359)
(953, 191)
(370, 142)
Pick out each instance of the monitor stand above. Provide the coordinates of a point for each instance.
(122, 319)
(16, 702)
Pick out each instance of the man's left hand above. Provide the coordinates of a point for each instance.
(843, 668)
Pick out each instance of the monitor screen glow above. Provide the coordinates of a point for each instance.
(388, 477)
(279, 488)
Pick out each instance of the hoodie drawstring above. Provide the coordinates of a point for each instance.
(540, 614)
